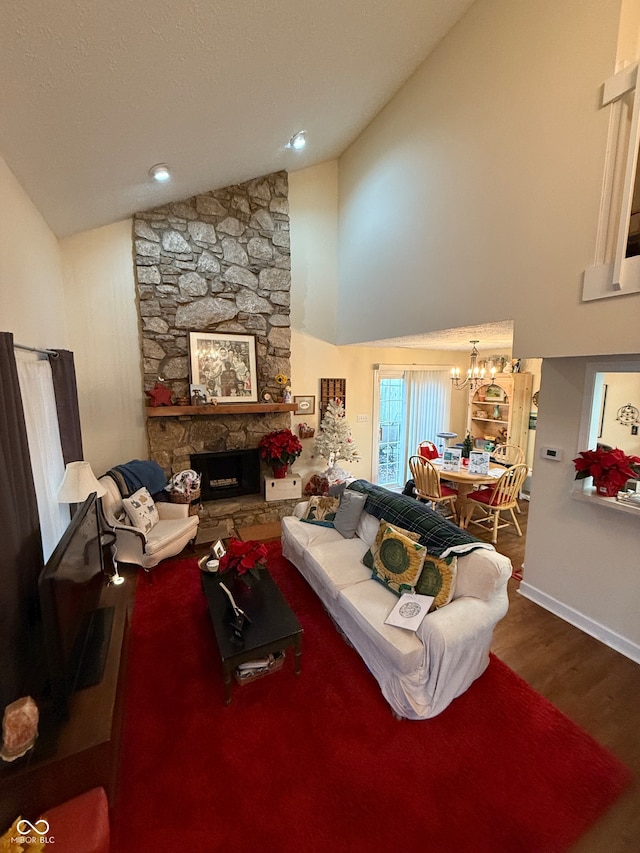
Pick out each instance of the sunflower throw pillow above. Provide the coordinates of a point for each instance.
(369, 557)
(399, 561)
(438, 578)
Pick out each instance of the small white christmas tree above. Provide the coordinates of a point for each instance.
(333, 441)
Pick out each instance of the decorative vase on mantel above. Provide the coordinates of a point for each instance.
(279, 471)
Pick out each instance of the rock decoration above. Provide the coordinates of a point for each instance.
(19, 728)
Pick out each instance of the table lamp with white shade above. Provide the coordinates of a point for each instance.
(78, 483)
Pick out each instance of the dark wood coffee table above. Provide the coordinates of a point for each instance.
(273, 625)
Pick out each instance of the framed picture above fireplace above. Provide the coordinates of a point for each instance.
(225, 364)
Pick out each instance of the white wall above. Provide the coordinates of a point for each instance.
(581, 559)
(474, 195)
(103, 332)
(31, 292)
(313, 209)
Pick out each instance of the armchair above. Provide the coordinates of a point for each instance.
(175, 529)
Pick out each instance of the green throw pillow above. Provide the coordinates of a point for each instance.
(369, 557)
(438, 578)
(399, 561)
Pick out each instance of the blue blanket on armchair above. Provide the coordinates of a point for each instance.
(138, 473)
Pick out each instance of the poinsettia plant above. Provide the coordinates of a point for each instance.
(242, 558)
(612, 466)
(280, 447)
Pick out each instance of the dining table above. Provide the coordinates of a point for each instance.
(466, 483)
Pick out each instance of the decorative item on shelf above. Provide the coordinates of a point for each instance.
(496, 412)
(159, 395)
(243, 560)
(184, 488)
(286, 397)
(19, 728)
(183, 401)
(306, 431)
(280, 449)
(482, 393)
(198, 395)
(281, 381)
(609, 467)
(334, 441)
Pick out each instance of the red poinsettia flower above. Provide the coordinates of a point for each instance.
(242, 557)
(611, 466)
(280, 447)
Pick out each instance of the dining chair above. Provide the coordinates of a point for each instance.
(428, 450)
(508, 454)
(498, 498)
(427, 485)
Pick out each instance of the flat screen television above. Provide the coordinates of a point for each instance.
(76, 631)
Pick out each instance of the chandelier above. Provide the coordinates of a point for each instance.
(475, 374)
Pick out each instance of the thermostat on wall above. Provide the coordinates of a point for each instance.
(553, 453)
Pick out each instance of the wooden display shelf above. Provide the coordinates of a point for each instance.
(220, 409)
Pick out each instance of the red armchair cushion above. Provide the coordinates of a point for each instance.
(81, 825)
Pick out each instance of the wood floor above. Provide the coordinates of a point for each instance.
(593, 685)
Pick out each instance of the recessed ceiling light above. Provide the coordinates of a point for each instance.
(298, 140)
(160, 172)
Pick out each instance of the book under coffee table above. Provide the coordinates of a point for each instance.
(273, 626)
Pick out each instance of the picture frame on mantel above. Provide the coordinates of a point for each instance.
(225, 363)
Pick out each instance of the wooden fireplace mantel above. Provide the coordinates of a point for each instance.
(220, 409)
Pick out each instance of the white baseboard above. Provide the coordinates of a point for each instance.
(610, 638)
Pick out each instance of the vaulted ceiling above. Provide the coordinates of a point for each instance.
(92, 94)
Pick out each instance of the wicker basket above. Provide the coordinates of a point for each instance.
(181, 498)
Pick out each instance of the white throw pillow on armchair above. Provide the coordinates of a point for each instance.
(141, 509)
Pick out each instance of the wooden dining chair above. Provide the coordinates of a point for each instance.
(427, 485)
(508, 454)
(428, 450)
(498, 498)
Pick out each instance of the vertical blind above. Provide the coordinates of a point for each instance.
(428, 407)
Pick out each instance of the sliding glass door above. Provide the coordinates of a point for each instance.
(412, 403)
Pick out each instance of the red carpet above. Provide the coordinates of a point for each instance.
(318, 763)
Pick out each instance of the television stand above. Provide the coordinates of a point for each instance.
(73, 755)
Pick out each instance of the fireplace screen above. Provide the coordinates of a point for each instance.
(227, 474)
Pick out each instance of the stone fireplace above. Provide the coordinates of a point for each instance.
(216, 262)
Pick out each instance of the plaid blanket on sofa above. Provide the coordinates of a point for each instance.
(440, 536)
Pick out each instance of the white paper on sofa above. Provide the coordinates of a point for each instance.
(409, 611)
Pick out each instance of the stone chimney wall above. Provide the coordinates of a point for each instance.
(217, 262)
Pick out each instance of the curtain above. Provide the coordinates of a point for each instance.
(21, 552)
(66, 394)
(47, 465)
(428, 406)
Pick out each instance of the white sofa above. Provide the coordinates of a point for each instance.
(419, 673)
